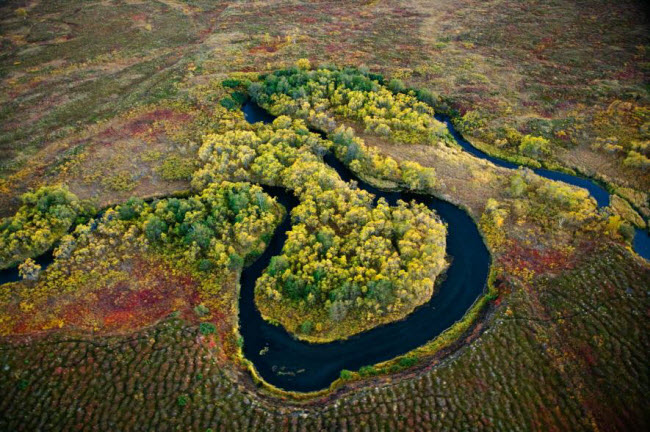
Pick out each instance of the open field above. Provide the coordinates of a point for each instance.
(113, 99)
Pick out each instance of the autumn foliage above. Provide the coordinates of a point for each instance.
(348, 263)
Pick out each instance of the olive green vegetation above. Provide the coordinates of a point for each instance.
(347, 264)
(44, 217)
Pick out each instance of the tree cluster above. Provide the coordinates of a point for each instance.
(347, 264)
(323, 94)
(45, 215)
(210, 233)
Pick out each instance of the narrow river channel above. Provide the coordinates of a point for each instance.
(641, 242)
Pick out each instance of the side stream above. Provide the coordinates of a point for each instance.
(641, 242)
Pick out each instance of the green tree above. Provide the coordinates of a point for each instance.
(534, 146)
(154, 227)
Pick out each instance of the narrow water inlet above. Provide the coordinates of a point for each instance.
(641, 241)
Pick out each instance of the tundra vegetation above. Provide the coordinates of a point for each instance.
(204, 239)
(347, 264)
(344, 101)
(100, 97)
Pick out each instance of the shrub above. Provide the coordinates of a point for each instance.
(396, 86)
(304, 64)
(513, 136)
(636, 160)
(627, 231)
(120, 182)
(200, 234)
(235, 261)
(427, 97)
(207, 328)
(367, 371)
(229, 103)
(471, 121)
(238, 97)
(176, 168)
(306, 327)
(201, 310)
(29, 270)
(231, 83)
(154, 228)
(206, 265)
(408, 361)
(376, 77)
(533, 146)
(130, 209)
(518, 185)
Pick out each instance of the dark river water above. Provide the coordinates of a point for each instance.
(11, 274)
(291, 364)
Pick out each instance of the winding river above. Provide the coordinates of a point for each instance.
(291, 364)
(294, 365)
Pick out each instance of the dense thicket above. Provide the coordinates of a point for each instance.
(322, 95)
(217, 229)
(347, 264)
(329, 99)
(45, 215)
(206, 236)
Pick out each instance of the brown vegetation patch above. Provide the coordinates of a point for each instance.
(540, 260)
(142, 295)
(454, 168)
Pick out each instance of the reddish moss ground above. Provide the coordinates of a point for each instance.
(149, 291)
(569, 357)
